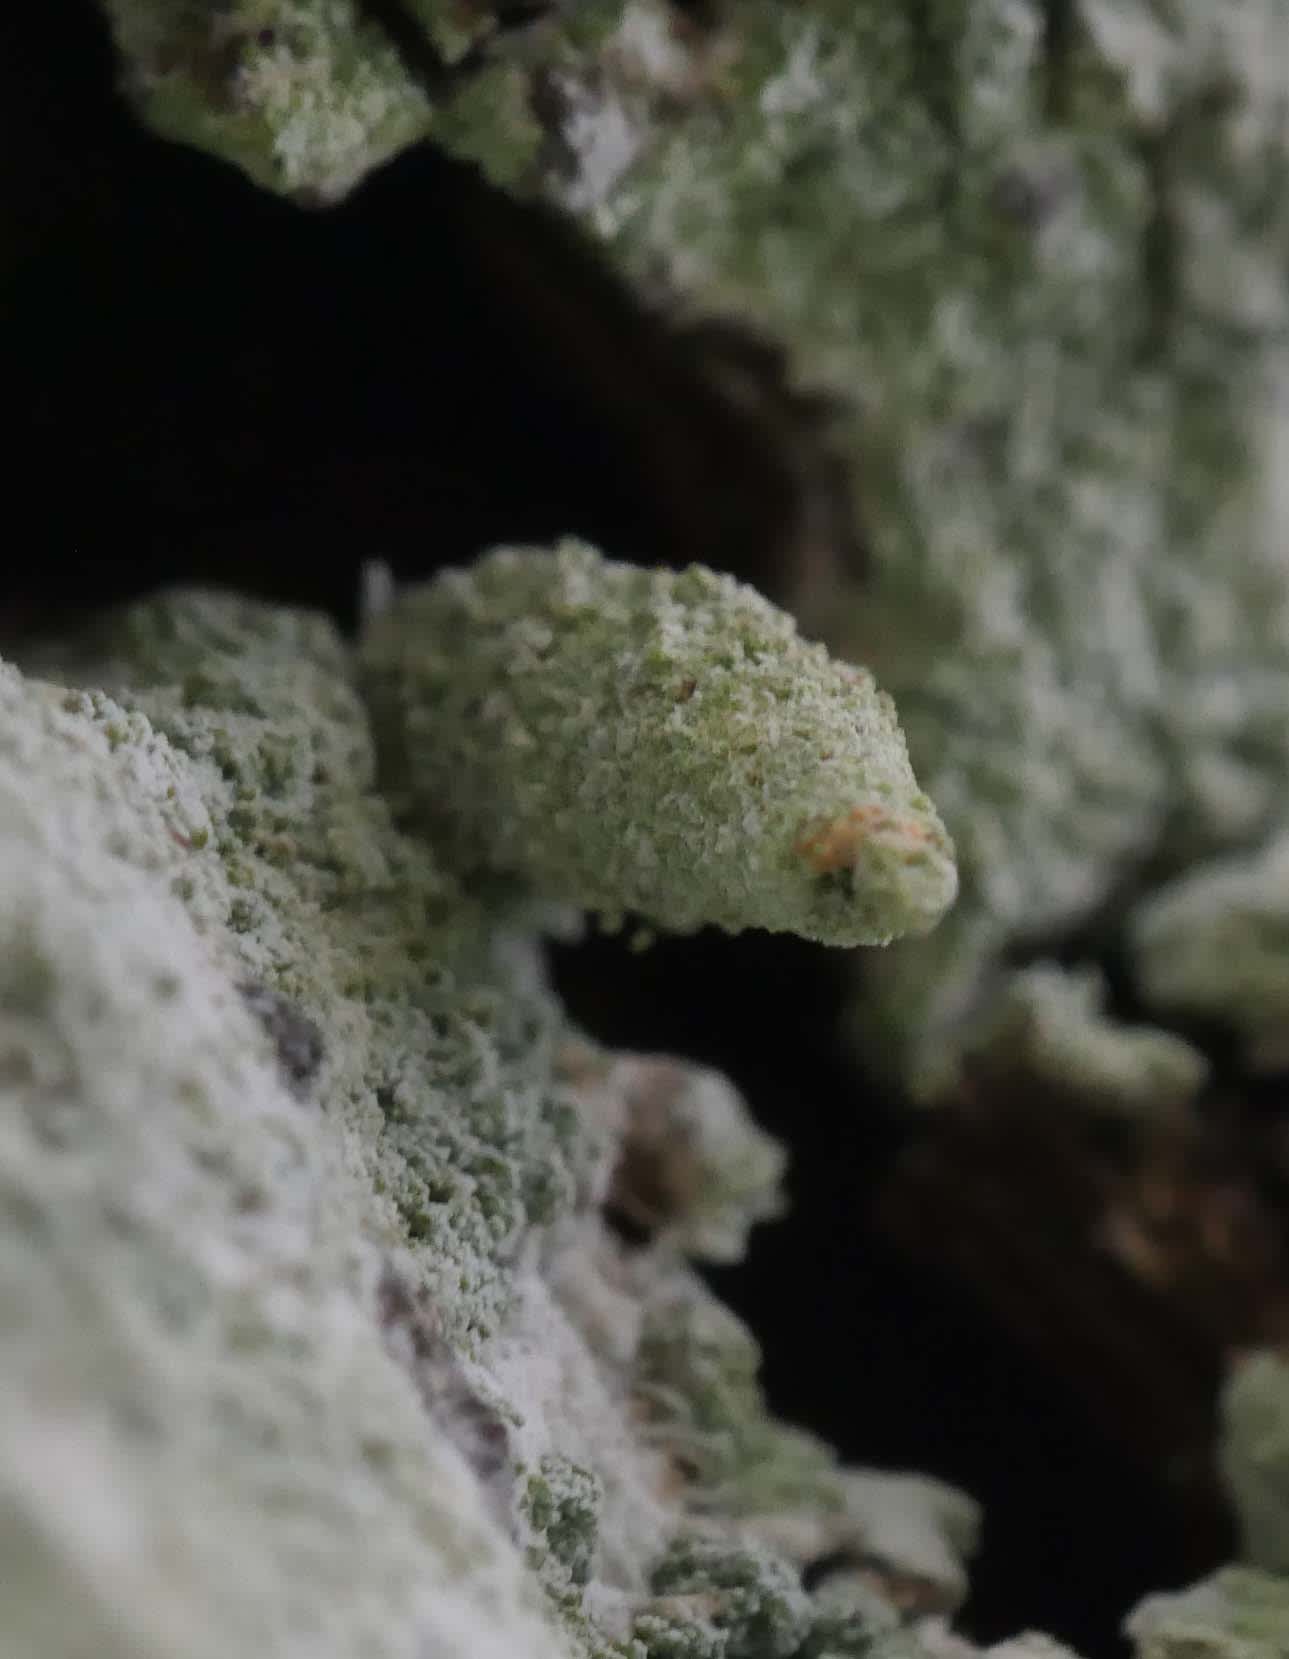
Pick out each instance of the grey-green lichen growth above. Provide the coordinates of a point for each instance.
(1046, 277)
(753, 1602)
(450, 1037)
(698, 1391)
(1239, 1613)
(1048, 1028)
(1214, 944)
(1255, 1455)
(1066, 418)
(692, 1167)
(313, 1337)
(206, 1443)
(652, 741)
(309, 96)
(305, 95)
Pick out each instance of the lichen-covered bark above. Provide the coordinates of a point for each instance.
(632, 740)
(1041, 262)
(1255, 1455)
(308, 96)
(1003, 260)
(205, 1444)
(1237, 1614)
(1031, 258)
(315, 1336)
(1033, 254)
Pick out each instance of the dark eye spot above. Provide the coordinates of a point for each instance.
(266, 37)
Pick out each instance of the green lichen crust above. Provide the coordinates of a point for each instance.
(1048, 1028)
(1255, 1456)
(995, 241)
(313, 1337)
(692, 1168)
(1030, 1646)
(309, 96)
(207, 1445)
(1214, 943)
(304, 95)
(698, 1394)
(636, 740)
(1239, 1613)
(448, 1037)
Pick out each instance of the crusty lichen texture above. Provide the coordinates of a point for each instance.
(1037, 267)
(1255, 1455)
(993, 239)
(1239, 1613)
(314, 1337)
(654, 742)
(206, 1446)
(305, 95)
(1039, 257)
(309, 96)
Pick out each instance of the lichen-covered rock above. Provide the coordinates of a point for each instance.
(1213, 944)
(697, 1388)
(205, 1444)
(632, 740)
(1239, 1613)
(1037, 267)
(1255, 1456)
(305, 95)
(313, 1336)
(1048, 1028)
(993, 238)
(309, 96)
(427, 1003)
(1029, 1646)
(691, 1167)
(1037, 252)
(754, 1602)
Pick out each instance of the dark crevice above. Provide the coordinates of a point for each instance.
(936, 69)
(213, 382)
(1060, 27)
(1159, 246)
(818, 1572)
(703, 15)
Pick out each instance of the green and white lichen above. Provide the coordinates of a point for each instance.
(690, 1166)
(1048, 282)
(205, 1445)
(1048, 1027)
(1255, 1456)
(647, 741)
(696, 1383)
(307, 97)
(1239, 1613)
(1045, 277)
(1214, 943)
(314, 1338)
